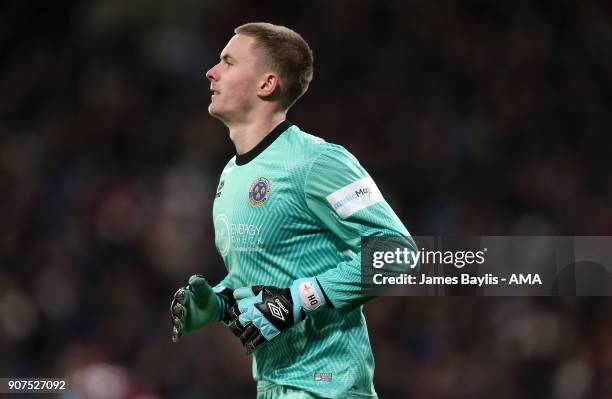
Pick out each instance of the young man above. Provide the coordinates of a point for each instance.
(289, 212)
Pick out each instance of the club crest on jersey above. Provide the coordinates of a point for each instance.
(259, 191)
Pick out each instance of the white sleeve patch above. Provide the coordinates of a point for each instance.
(354, 197)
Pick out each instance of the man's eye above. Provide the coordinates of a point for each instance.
(227, 62)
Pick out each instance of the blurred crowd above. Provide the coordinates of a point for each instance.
(473, 117)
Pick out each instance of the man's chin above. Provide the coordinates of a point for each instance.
(215, 114)
(212, 111)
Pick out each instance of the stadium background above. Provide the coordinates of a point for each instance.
(473, 117)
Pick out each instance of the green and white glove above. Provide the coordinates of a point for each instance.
(197, 305)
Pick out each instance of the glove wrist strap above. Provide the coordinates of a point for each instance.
(308, 295)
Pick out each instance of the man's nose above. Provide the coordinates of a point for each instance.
(211, 75)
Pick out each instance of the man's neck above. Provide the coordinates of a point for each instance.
(246, 136)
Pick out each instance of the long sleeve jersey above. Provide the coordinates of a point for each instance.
(297, 206)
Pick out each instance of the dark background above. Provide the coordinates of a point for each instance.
(474, 117)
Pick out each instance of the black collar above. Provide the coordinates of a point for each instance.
(263, 144)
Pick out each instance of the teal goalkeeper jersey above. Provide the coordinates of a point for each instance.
(296, 206)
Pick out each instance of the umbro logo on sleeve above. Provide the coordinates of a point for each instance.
(220, 188)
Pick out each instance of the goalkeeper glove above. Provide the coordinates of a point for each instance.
(262, 312)
(198, 305)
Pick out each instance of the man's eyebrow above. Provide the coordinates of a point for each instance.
(227, 57)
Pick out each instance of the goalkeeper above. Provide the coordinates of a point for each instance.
(289, 212)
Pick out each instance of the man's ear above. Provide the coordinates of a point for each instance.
(269, 86)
